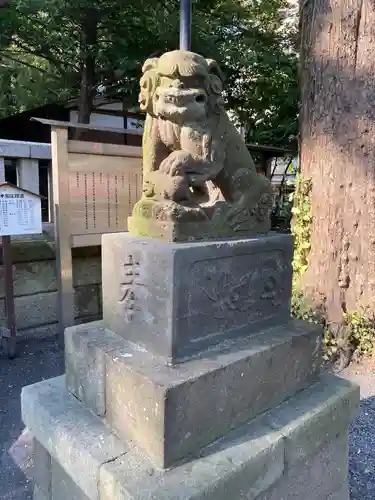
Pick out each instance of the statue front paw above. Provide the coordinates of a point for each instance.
(177, 189)
(176, 164)
(163, 187)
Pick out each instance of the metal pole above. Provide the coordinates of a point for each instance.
(185, 24)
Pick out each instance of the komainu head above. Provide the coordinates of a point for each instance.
(181, 86)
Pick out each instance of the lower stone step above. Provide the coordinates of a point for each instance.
(296, 451)
(173, 412)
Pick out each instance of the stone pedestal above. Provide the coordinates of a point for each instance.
(196, 384)
(176, 299)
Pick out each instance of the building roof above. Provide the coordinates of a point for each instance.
(49, 110)
(9, 184)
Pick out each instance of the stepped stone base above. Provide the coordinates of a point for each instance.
(296, 451)
(171, 412)
(195, 385)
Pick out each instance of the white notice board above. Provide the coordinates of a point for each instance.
(20, 212)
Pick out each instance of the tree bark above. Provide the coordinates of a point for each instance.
(337, 151)
(88, 60)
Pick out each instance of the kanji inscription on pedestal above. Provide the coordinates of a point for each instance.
(20, 211)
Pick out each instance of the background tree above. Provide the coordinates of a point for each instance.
(263, 67)
(338, 155)
(82, 47)
(26, 82)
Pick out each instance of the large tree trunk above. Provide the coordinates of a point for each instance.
(338, 151)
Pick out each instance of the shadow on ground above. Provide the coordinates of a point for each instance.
(38, 360)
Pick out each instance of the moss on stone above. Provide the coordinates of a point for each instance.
(185, 231)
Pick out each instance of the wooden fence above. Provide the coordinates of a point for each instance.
(95, 187)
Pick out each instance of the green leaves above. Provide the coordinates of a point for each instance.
(301, 228)
(263, 75)
(361, 326)
(248, 39)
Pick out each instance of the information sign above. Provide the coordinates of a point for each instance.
(20, 211)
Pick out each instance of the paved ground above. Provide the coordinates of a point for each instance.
(39, 360)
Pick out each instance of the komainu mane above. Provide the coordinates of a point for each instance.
(198, 175)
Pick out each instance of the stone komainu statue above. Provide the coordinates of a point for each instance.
(198, 175)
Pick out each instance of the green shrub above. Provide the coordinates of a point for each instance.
(361, 330)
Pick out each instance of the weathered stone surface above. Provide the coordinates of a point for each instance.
(39, 495)
(39, 332)
(42, 468)
(173, 231)
(177, 299)
(173, 411)
(63, 486)
(231, 468)
(240, 467)
(35, 289)
(31, 277)
(315, 477)
(75, 438)
(247, 463)
(341, 494)
(85, 347)
(317, 416)
(202, 172)
(87, 301)
(33, 310)
(29, 249)
(87, 271)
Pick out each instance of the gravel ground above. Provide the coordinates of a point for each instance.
(362, 434)
(39, 360)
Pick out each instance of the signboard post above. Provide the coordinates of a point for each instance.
(9, 334)
(20, 214)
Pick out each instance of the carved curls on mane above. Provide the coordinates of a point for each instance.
(183, 64)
